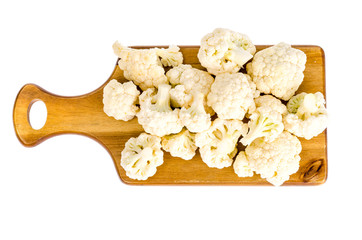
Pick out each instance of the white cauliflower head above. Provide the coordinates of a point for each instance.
(218, 143)
(277, 160)
(225, 51)
(156, 116)
(266, 121)
(231, 96)
(242, 166)
(278, 70)
(192, 79)
(180, 145)
(307, 116)
(195, 117)
(141, 156)
(119, 100)
(144, 67)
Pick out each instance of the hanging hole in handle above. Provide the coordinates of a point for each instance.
(37, 114)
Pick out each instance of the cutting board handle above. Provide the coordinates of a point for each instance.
(64, 114)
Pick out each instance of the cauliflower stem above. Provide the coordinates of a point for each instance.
(163, 98)
(197, 105)
(238, 56)
(307, 107)
(195, 118)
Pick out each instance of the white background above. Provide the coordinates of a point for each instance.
(68, 188)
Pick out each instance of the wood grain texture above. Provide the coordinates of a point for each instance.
(84, 115)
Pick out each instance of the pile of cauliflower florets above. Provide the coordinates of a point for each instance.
(185, 108)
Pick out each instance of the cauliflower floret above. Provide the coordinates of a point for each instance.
(270, 101)
(242, 166)
(144, 67)
(192, 79)
(307, 116)
(174, 74)
(195, 117)
(218, 143)
(278, 70)
(179, 97)
(277, 160)
(170, 57)
(180, 145)
(231, 96)
(141, 156)
(266, 121)
(156, 115)
(224, 51)
(120, 100)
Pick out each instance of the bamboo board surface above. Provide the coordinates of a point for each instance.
(84, 115)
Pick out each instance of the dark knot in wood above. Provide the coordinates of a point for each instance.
(312, 170)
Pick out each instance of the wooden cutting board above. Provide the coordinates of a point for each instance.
(84, 115)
